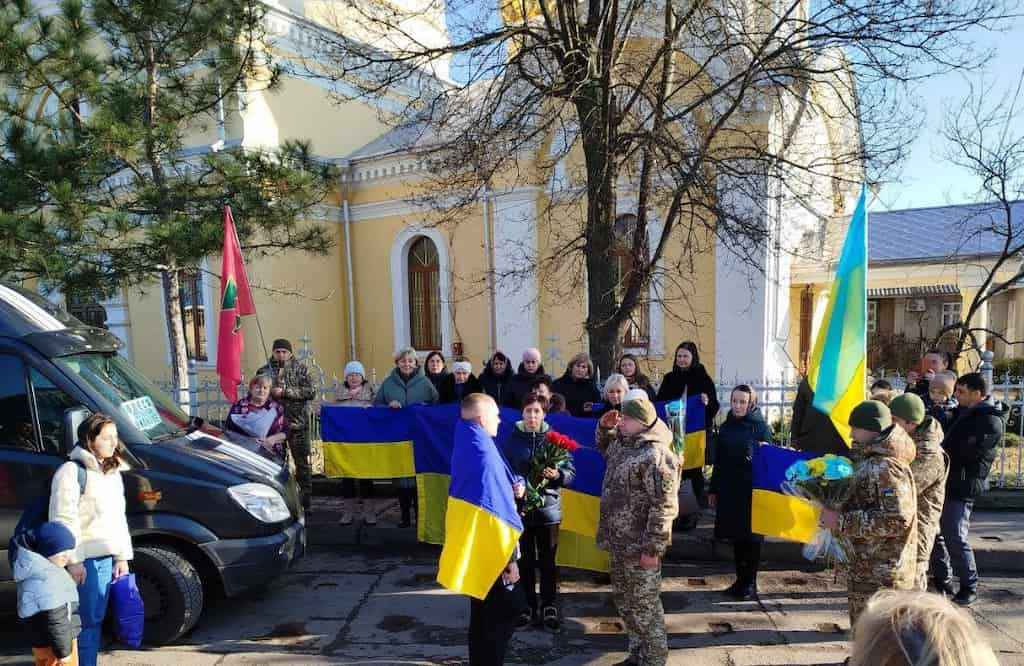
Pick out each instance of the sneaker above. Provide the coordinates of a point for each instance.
(404, 523)
(525, 619)
(369, 518)
(965, 597)
(550, 620)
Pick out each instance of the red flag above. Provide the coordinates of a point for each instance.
(235, 301)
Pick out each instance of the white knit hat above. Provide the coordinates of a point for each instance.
(355, 368)
(465, 366)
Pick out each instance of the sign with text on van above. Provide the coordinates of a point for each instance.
(142, 412)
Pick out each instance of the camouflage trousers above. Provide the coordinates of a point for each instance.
(637, 594)
(298, 447)
(925, 534)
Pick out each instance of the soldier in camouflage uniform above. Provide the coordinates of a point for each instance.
(929, 469)
(878, 521)
(293, 387)
(639, 500)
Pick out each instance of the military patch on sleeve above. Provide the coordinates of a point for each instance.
(889, 492)
(666, 484)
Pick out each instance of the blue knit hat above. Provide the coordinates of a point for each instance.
(51, 538)
(355, 368)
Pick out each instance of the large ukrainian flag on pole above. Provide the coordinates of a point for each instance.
(836, 369)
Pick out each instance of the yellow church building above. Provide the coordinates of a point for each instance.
(393, 279)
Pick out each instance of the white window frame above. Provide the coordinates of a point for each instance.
(211, 314)
(872, 317)
(400, 286)
(951, 312)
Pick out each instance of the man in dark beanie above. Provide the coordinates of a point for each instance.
(635, 524)
(293, 387)
(878, 520)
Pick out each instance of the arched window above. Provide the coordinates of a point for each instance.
(424, 295)
(637, 331)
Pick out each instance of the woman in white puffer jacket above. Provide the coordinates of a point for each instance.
(97, 519)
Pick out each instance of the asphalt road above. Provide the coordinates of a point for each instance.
(343, 606)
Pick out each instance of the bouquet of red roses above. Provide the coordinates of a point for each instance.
(555, 450)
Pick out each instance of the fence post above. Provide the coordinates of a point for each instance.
(986, 367)
(193, 388)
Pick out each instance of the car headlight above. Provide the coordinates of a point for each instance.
(261, 501)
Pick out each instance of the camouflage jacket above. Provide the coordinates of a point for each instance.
(929, 469)
(640, 493)
(293, 376)
(879, 518)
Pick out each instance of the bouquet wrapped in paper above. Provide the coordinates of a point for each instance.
(556, 449)
(676, 413)
(825, 482)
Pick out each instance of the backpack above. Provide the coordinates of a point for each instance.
(38, 512)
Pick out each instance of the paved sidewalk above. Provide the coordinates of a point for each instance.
(997, 537)
(345, 605)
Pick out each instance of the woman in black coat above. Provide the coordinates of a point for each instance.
(689, 377)
(732, 487)
(435, 369)
(497, 377)
(458, 384)
(629, 367)
(577, 386)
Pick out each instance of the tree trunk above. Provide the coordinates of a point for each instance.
(176, 335)
(603, 318)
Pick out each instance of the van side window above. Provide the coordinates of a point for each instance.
(51, 403)
(16, 429)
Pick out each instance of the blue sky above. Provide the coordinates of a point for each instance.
(927, 179)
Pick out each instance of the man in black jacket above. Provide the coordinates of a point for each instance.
(971, 444)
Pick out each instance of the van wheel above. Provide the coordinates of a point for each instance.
(171, 590)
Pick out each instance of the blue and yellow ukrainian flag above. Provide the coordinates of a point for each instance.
(384, 443)
(482, 524)
(366, 443)
(836, 369)
(581, 502)
(694, 416)
(774, 513)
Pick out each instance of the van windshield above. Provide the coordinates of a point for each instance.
(128, 390)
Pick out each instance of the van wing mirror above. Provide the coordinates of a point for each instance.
(73, 418)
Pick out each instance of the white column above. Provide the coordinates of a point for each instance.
(516, 304)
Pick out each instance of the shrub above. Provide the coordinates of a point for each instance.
(1014, 366)
(1013, 440)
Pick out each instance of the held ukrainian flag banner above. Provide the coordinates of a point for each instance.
(378, 443)
(687, 416)
(836, 368)
(482, 524)
(366, 443)
(774, 513)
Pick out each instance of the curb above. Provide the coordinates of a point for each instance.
(698, 545)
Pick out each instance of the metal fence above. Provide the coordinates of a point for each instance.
(775, 400)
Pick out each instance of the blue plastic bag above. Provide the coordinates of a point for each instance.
(129, 613)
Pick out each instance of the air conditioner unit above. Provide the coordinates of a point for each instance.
(917, 304)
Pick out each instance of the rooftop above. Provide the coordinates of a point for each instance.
(941, 232)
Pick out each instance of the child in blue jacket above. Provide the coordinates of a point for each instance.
(47, 595)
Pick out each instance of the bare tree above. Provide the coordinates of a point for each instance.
(985, 138)
(690, 111)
